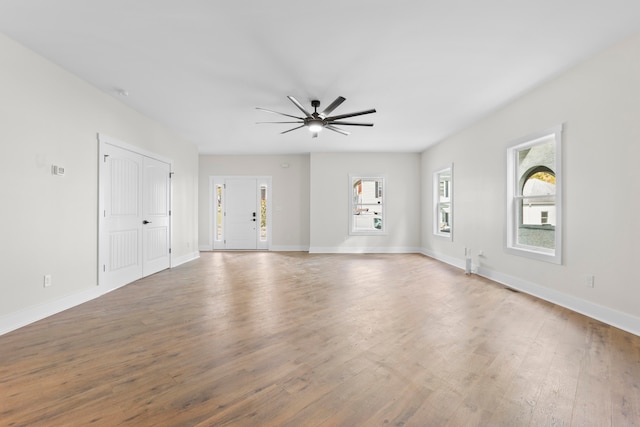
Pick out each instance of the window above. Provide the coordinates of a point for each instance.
(219, 212)
(263, 213)
(534, 197)
(367, 205)
(443, 202)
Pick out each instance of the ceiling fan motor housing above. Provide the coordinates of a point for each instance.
(315, 123)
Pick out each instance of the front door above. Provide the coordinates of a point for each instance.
(240, 212)
(241, 215)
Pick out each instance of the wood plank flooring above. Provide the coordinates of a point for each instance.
(297, 339)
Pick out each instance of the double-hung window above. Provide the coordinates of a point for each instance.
(443, 202)
(534, 196)
(367, 210)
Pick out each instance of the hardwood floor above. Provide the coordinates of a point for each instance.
(297, 339)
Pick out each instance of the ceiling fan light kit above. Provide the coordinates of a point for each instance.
(315, 121)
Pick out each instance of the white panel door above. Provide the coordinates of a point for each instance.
(121, 209)
(156, 213)
(134, 205)
(241, 213)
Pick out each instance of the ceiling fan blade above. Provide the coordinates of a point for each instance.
(292, 129)
(344, 116)
(350, 124)
(339, 100)
(295, 101)
(276, 112)
(262, 123)
(335, 129)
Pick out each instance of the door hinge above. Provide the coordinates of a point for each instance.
(171, 175)
(224, 186)
(169, 212)
(105, 158)
(169, 250)
(104, 267)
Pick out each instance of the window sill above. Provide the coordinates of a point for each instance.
(540, 254)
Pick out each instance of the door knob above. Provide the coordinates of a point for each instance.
(146, 222)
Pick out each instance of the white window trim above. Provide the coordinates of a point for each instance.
(384, 229)
(436, 202)
(511, 244)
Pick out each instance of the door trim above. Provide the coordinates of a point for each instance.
(104, 140)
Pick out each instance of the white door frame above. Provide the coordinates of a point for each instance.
(103, 140)
(217, 180)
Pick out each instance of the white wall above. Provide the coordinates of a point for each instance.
(290, 194)
(48, 224)
(599, 102)
(331, 192)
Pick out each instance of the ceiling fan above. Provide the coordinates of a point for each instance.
(317, 121)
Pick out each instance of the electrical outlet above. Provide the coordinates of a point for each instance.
(590, 281)
(47, 281)
(481, 253)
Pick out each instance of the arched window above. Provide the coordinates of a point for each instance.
(538, 208)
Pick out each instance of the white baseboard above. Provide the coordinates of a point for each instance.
(615, 318)
(176, 261)
(362, 250)
(456, 262)
(207, 248)
(289, 248)
(12, 321)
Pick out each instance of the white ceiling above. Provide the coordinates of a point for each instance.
(429, 67)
